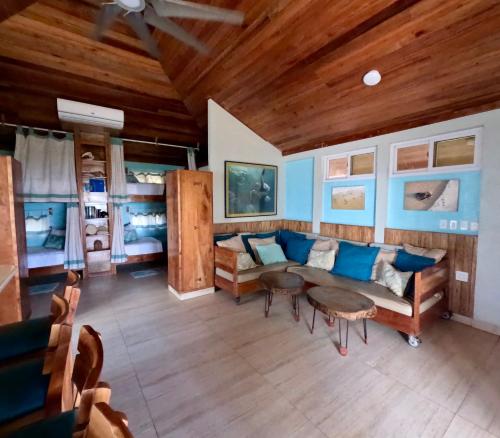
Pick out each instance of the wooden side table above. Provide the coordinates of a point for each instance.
(342, 304)
(285, 283)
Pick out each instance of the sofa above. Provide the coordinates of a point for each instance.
(409, 316)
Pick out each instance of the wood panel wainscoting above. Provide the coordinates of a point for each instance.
(348, 232)
(262, 226)
(461, 252)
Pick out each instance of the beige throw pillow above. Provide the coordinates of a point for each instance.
(254, 242)
(436, 254)
(321, 259)
(245, 261)
(393, 279)
(325, 245)
(234, 244)
(384, 255)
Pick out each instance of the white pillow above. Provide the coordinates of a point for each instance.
(395, 280)
(383, 255)
(234, 244)
(325, 245)
(245, 261)
(321, 259)
(254, 242)
(436, 254)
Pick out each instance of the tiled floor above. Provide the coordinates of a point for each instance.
(209, 368)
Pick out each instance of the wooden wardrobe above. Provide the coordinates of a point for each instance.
(190, 233)
(14, 299)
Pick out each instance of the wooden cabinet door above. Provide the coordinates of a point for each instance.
(196, 244)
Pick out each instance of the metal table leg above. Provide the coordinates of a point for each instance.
(364, 330)
(314, 318)
(343, 350)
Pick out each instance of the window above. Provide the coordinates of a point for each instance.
(350, 165)
(454, 151)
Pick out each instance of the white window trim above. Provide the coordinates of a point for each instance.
(477, 132)
(348, 155)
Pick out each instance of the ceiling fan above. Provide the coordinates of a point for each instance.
(157, 13)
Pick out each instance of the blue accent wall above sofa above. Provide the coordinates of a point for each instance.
(299, 189)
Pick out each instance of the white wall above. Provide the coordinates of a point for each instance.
(229, 139)
(487, 295)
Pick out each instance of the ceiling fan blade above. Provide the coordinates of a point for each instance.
(106, 16)
(187, 9)
(168, 26)
(136, 22)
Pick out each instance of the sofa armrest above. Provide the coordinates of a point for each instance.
(429, 281)
(226, 259)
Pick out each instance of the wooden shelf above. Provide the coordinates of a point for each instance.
(147, 198)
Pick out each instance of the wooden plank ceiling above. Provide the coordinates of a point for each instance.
(47, 51)
(292, 73)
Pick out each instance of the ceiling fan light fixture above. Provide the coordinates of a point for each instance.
(132, 5)
(372, 78)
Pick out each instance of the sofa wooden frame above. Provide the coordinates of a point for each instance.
(427, 283)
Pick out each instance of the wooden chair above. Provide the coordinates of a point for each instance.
(73, 279)
(65, 389)
(106, 423)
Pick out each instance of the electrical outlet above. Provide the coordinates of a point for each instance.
(464, 225)
(474, 226)
(443, 224)
(462, 276)
(453, 225)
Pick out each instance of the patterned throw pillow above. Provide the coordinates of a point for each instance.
(383, 255)
(393, 279)
(56, 239)
(321, 259)
(245, 261)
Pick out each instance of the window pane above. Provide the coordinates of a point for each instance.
(362, 164)
(413, 157)
(337, 167)
(454, 152)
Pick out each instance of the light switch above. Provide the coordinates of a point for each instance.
(453, 225)
(443, 224)
(464, 225)
(462, 276)
(474, 226)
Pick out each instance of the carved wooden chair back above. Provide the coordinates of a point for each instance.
(72, 295)
(106, 423)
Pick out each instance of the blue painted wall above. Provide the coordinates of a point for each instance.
(468, 204)
(57, 220)
(299, 176)
(364, 217)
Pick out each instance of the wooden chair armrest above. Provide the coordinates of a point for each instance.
(226, 260)
(429, 281)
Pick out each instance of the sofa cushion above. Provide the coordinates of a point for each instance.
(395, 280)
(270, 254)
(221, 237)
(298, 250)
(255, 273)
(58, 426)
(383, 256)
(246, 237)
(321, 259)
(286, 235)
(355, 261)
(408, 262)
(260, 242)
(233, 243)
(436, 254)
(245, 261)
(381, 296)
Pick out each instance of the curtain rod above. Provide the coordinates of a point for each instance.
(130, 140)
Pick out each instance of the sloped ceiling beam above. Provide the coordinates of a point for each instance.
(12, 7)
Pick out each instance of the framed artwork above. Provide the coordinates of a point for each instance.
(348, 198)
(250, 189)
(435, 195)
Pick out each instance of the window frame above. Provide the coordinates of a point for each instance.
(430, 141)
(348, 155)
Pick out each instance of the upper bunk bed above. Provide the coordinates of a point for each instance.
(145, 186)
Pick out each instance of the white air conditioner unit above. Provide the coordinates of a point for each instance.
(85, 114)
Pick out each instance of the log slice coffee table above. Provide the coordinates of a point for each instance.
(343, 304)
(285, 283)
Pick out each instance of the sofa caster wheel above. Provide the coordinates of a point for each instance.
(414, 341)
(237, 300)
(447, 315)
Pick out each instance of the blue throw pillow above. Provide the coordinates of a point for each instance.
(298, 250)
(409, 262)
(221, 237)
(286, 235)
(270, 254)
(245, 237)
(355, 261)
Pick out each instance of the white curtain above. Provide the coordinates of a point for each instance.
(148, 219)
(191, 159)
(48, 167)
(73, 249)
(118, 196)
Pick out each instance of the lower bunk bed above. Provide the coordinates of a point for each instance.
(144, 249)
(45, 261)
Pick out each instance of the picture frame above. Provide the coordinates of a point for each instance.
(250, 189)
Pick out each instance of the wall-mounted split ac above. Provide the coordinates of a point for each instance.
(86, 114)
